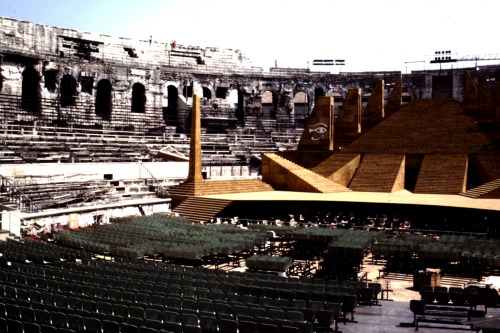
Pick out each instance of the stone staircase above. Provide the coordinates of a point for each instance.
(200, 209)
(379, 173)
(286, 175)
(442, 174)
(484, 191)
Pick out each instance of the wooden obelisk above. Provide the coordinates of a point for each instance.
(195, 174)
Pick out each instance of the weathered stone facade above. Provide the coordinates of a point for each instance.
(52, 75)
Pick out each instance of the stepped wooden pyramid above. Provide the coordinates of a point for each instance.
(425, 147)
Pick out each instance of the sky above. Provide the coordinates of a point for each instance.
(370, 35)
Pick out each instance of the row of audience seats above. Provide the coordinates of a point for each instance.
(469, 296)
(98, 292)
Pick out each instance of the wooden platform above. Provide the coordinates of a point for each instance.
(400, 197)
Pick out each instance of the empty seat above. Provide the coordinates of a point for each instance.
(128, 328)
(58, 319)
(208, 324)
(227, 325)
(248, 327)
(136, 312)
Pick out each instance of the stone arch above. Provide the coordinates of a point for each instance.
(207, 93)
(170, 111)
(68, 90)
(138, 98)
(240, 107)
(221, 92)
(103, 99)
(301, 104)
(267, 102)
(50, 78)
(30, 90)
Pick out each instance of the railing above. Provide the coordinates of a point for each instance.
(161, 191)
(24, 203)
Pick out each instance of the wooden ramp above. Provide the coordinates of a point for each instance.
(200, 209)
(285, 175)
(379, 173)
(339, 167)
(442, 174)
(488, 190)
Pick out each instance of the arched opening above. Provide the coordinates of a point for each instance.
(87, 84)
(50, 78)
(221, 92)
(318, 92)
(301, 105)
(240, 108)
(267, 103)
(170, 112)
(207, 93)
(103, 99)
(30, 93)
(138, 98)
(68, 90)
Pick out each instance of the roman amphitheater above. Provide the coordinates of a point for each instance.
(153, 187)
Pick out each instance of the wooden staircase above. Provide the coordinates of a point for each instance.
(200, 209)
(442, 174)
(212, 187)
(378, 173)
(289, 176)
(484, 191)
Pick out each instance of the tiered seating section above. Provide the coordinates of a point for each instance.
(36, 193)
(86, 294)
(38, 144)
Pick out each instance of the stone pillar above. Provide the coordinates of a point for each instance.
(195, 174)
(374, 111)
(318, 133)
(15, 223)
(5, 220)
